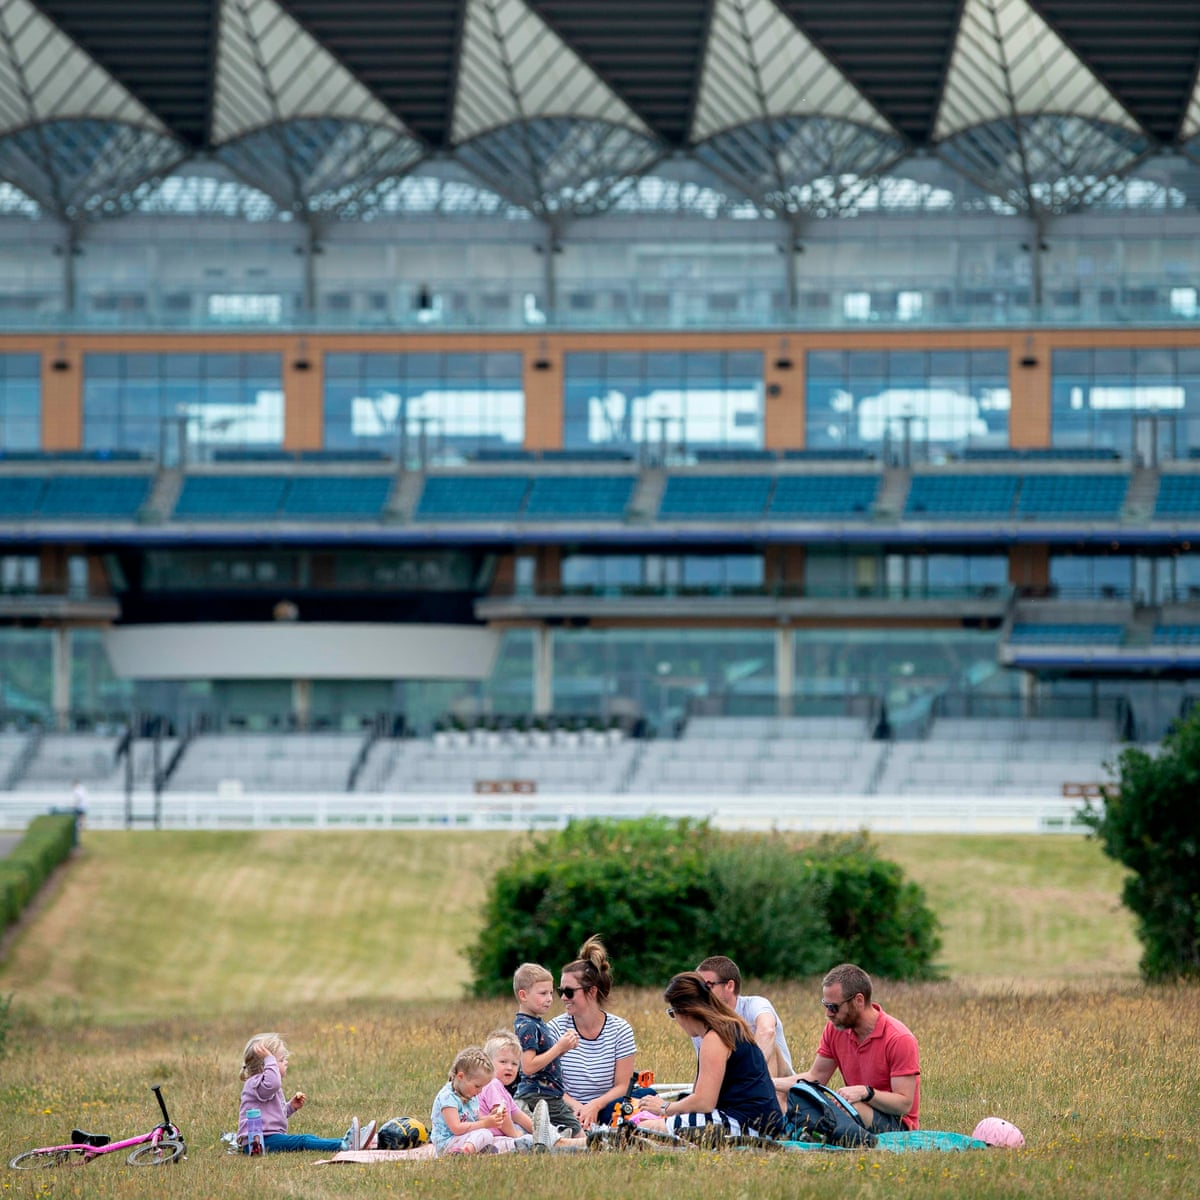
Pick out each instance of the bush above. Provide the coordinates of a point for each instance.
(664, 894)
(47, 842)
(1148, 822)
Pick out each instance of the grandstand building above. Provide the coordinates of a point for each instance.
(642, 362)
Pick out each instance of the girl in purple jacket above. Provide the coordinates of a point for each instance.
(264, 1064)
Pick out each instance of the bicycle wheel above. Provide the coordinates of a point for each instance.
(40, 1160)
(150, 1155)
(641, 1138)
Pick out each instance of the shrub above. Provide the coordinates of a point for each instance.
(1148, 822)
(47, 842)
(664, 894)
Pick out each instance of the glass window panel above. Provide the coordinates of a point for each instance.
(141, 366)
(181, 366)
(344, 366)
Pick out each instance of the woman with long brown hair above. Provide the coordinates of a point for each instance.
(733, 1087)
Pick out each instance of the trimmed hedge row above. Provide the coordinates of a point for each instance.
(663, 894)
(47, 842)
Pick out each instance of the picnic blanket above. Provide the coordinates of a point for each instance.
(905, 1140)
(417, 1154)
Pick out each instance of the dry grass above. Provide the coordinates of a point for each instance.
(160, 954)
(1101, 1080)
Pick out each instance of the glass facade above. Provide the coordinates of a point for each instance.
(424, 408)
(182, 405)
(662, 673)
(905, 669)
(655, 399)
(1145, 401)
(615, 573)
(20, 401)
(902, 404)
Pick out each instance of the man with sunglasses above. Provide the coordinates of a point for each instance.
(876, 1054)
(723, 979)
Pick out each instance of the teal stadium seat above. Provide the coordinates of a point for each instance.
(21, 495)
(704, 497)
(336, 497)
(1032, 633)
(98, 497)
(961, 497)
(230, 497)
(1176, 635)
(800, 496)
(472, 498)
(1089, 497)
(566, 497)
(1178, 495)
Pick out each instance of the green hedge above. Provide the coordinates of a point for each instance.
(664, 894)
(47, 842)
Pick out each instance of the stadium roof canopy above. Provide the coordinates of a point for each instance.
(560, 106)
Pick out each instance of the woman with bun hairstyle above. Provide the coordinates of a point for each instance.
(599, 1070)
(733, 1087)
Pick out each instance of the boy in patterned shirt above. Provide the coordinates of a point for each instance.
(541, 1071)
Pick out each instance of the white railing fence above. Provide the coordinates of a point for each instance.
(341, 810)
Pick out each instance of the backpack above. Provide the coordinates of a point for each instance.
(816, 1113)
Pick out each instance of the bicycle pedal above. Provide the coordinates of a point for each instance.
(80, 1138)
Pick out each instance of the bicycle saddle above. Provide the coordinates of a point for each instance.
(79, 1138)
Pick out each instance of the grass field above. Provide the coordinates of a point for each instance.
(156, 956)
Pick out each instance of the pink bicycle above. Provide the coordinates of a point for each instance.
(163, 1144)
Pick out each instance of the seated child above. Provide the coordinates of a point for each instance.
(505, 1052)
(264, 1064)
(456, 1126)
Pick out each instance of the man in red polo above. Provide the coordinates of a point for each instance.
(876, 1054)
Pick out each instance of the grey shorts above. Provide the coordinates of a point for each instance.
(882, 1122)
(561, 1116)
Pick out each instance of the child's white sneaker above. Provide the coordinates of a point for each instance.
(366, 1135)
(543, 1131)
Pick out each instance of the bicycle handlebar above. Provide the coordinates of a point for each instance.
(156, 1088)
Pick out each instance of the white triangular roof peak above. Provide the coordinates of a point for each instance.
(513, 66)
(1006, 57)
(758, 64)
(45, 76)
(269, 69)
(1191, 119)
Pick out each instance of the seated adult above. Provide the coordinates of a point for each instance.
(599, 1070)
(733, 1087)
(723, 979)
(876, 1054)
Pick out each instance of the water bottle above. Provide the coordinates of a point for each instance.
(254, 1132)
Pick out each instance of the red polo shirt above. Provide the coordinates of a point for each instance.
(889, 1050)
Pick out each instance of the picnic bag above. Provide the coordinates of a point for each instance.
(816, 1113)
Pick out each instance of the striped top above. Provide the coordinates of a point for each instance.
(588, 1070)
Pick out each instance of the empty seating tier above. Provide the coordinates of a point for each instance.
(800, 496)
(566, 497)
(472, 498)
(1082, 634)
(961, 497)
(94, 497)
(1178, 495)
(303, 497)
(1080, 496)
(704, 497)
(1176, 635)
(340, 497)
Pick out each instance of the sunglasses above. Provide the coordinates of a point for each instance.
(569, 993)
(829, 1007)
(712, 983)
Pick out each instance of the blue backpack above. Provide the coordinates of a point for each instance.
(816, 1113)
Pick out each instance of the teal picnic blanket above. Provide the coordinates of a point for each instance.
(904, 1141)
